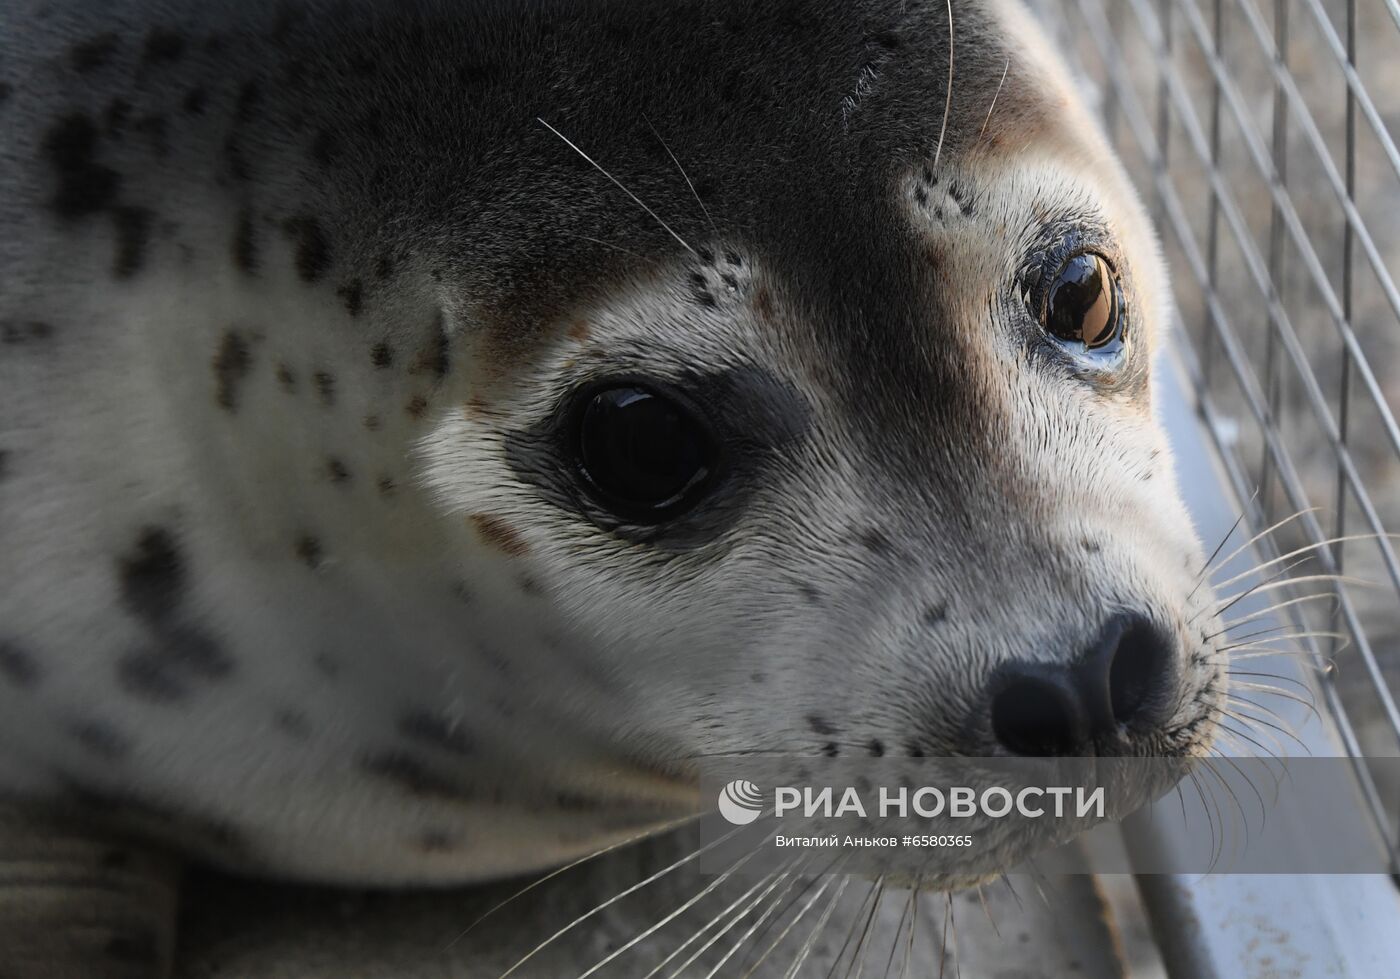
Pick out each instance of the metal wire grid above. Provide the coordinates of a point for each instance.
(1275, 181)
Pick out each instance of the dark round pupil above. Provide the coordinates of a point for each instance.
(1081, 304)
(640, 448)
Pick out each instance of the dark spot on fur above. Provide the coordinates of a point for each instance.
(530, 586)
(336, 470)
(412, 775)
(353, 293)
(436, 731)
(380, 355)
(757, 677)
(416, 406)
(166, 669)
(152, 576)
(163, 46)
(936, 613)
(830, 749)
(386, 486)
(913, 749)
(497, 533)
(325, 386)
(372, 423)
(308, 549)
(231, 365)
(433, 356)
(876, 748)
(93, 53)
(313, 253)
(820, 725)
(326, 665)
(133, 228)
(6, 90)
(1091, 546)
(809, 593)
(248, 98)
(292, 723)
(287, 378)
(84, 185)
(18, 667)
(245, 243)
(383, 268)
(14, 332)
(195, 101)
(101, 739)
(875, 540)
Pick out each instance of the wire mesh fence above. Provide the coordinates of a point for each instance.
(1263, 133)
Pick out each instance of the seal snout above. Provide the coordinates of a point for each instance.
(1117, 689)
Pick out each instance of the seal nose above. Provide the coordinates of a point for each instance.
(1120, 684)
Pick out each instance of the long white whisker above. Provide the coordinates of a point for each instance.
(672, 916)
(1302, 550)
(995, 94)
(693, 192)
(1262, 534)
(790, 925)
(618, 897)
(811, 941)
(617, 183)
(948, 98)
(565, 869)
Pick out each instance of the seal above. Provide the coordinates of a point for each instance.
(430, 429)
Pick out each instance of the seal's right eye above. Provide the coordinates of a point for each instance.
(647, 456)
(1083, 304)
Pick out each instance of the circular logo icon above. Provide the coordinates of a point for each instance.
(740, 802)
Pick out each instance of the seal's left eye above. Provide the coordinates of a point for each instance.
(647, 456)
(1083, 303)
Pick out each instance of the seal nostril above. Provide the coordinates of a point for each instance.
(1137, 671)
(1035, 716)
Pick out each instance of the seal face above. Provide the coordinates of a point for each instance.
(429, 431)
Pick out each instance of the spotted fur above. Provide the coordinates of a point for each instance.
(292, 296)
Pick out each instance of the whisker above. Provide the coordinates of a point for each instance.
(618, 184)
(855, 921)
(565, 869)
(858, 957)
(1273, 585)
(693, 192)
(811, 941)
(826, 878)
(672, 916)
(948, 98)
(1244, 510)
(1304, 634)
(617, 897)
(1264, 612)
(772, 881)
(995, 94)
(792, 877)
(913, 929)
(1264, 533)
(1304, 550)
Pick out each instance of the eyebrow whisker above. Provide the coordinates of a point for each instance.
(671, 231)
